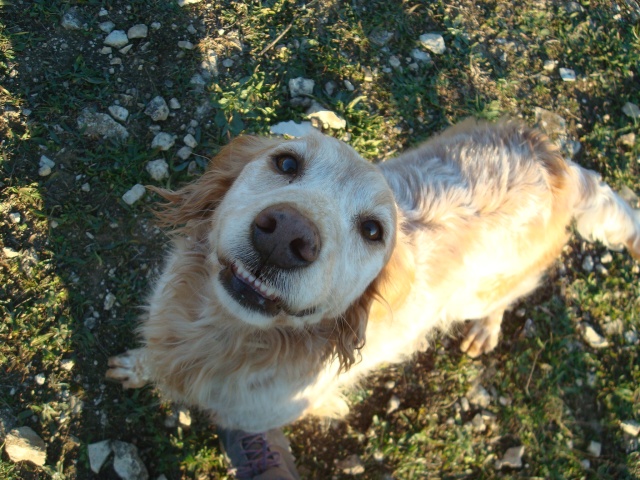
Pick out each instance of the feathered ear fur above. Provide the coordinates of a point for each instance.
(384, 295)
(194, 203)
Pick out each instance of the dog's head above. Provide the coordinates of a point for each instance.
(298, 232)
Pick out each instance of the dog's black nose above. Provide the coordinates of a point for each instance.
(285, 238)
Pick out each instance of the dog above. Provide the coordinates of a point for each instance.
(297, 267)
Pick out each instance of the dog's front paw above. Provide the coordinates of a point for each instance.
(129, 369)
(482, 336)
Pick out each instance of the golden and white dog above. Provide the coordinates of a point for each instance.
(297, 267)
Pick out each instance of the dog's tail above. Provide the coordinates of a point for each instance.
(602, 215)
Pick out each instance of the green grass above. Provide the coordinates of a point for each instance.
(74, 246)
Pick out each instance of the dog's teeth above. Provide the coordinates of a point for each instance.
(252, 278)
(256, 282)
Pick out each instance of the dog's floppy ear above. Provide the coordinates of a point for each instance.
(196, 201)
(384, 295)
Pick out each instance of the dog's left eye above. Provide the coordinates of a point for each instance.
(371, 230)
(287, 164)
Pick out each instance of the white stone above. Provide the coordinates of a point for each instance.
(348, 85)
(157, 109)
(40, 379)
(158, 169)
(631, 110)
(420, 56)
(67, 364)
(184, 417)
(109, 300)
(127, 462)
(10, 253)
(380, 37)
(352, 465)
(101, 125)
(631, 337)
(606, 258)
(156, 25)
(330, 87)
(164, 141)
(512, 458)
(567, 75)
(174, 104)
(186, 45)
(630, 427)
(107, 27)
(138, 31)
(71, 20)
(116, 39)
(15, 217)
(433, 42)
(103, 12)
(98, 453)
(119, 113)
(124, 50)
(184, 152)
(301, 87)
(327, 118)
(393, 405)
(587, 263)
(46, 161)
(198, 80)
(478, 395)
(595, 448)
(593, 338)
(291, 128)
(550, 65)
(227, 63)
(134, 194)
(106, 50)
(190, 141)
(182, 3)
(464, 404)
(85, 187)
(395, 61)
(23, 444)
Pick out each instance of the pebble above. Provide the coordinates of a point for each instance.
(101, 125)
(209, 64)
(107, 27)
(380, 37)
(157, 109)
(348, 85)
(550, 65)
(352, 465)
(186, 45)
(23, 444)
(67, 364)
(106, 50)
(156, 25)
(190, 141)
(327, 118)
(164, 141)
(464, 404)
(393, 405)
(301, 87)
(433, 42)
(291, 128)
(227, 63)
(103, 12)
(184, 417)
(116, 39)
(478, 395)
(46, 166)
(606, 258)
(119, 113)
(587, 263)
(628, 140)
(395, 61)
(15, 217)
(567, 75)
(549, 122)
(174, 104)
(182, 3)
(40, 379)
(184, 152)
(138, 31)
(132, 195)
(71, 20)
(126, 49)
(98, 453)
(631, 110)
(420, 56)
(158, 169)
(595, 448)
(198, 80)
(368, 74)
(330, 87)
(593, 338)
(630, 427)
(109, 300)
(512, 458)
(127, 462)
(631, 337)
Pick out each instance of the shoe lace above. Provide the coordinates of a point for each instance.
(259, 458)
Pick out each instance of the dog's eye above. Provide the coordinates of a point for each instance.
(371, 230)
(287, 164)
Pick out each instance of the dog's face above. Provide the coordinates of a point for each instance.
(301, 233)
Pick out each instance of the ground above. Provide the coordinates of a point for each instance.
(77, 260)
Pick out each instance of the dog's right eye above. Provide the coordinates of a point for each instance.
(287, 164)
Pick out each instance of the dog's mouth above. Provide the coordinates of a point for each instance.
(253, 292)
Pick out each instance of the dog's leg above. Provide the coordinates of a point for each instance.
(602, 215)
(129, 369)
(482, 335)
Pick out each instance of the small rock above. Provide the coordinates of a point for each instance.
(631, 110)
(595, 448)
(348, 85)
(101, 125)
(116, 39)
(606, 258)
(330, 87)
(593, 338)
(119, 113)
(614, 327)
(301, 87)
(550, 123)
(209, 65)
(227, 63)
(15, 217)
(182, 3)
(138, 31)
(158, 169)
(512, 458)
(326, 117)
(420, 56)
(630, 427)
(395, 61)
(393, 405)
(40, 379)
(368, 74)
(164, 141)
(433, 42)
(186, 45)
(174, 104)
(292, 128)
(184, 153)
(478, 395)
(567, 75)
(10, 253)
(106, 50)
(107, 27)
(23, 444)
(127, 462)
(190, 141)
(628, 140)
(630, 336)
(124, 50)
(478, 423)
(198, 81)
(352, 465)
(157, 109)
(98, 453)
(184, 417)
(601, 270)
(550, 65)
(134, 194)
(587, 263)
(71, 20)
(47, 162)
(67, 364)
(109, 301)
(464, 404)
(380, 37)
(103, 12)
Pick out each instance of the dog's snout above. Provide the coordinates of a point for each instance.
(285, 238)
